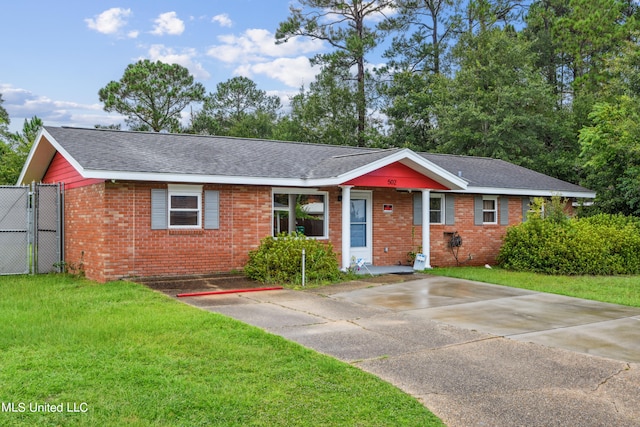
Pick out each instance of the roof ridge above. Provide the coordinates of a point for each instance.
(370, 151)
(239, 138)
(458, 155)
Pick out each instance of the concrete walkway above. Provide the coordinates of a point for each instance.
(475, 354)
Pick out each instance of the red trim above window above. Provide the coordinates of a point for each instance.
(396, 175)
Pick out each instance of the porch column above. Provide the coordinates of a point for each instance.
(426, 227)
(292, 213)
(346, 226)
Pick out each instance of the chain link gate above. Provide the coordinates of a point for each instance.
(30, 229)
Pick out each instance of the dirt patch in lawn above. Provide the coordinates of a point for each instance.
(173, 285)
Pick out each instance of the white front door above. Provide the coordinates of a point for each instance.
(361, 219)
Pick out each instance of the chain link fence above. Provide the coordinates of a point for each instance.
(30, 229)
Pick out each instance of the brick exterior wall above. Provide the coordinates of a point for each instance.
(395, 231)
(108, 231)
(480, 243)
(108, 228)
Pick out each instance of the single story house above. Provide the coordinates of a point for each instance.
(147, 204)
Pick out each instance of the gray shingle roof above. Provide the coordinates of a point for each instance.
(494, 173)
(99, 150)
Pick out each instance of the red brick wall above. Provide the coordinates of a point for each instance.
(84, 230)
(111, 224)
(108, 229)
(396, 232)
(480, 243)
(393, 230)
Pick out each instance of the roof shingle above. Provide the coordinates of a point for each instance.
(182, 154)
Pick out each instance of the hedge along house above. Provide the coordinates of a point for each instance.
(149, 204)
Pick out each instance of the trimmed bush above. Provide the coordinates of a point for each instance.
(600, 245)
(278, 260)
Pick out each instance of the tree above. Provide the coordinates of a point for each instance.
(325, 114)
(611, 144)
(152, 95)
(482, 15)
(15, 152)
(4, 120)
(7, 155)
(572, 38)
(238, 108)
(411, 110)
(611, 150)
(342, 25)
(426, 27)
(497, 105)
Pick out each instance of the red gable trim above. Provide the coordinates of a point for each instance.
(60, 170)
(396, 175)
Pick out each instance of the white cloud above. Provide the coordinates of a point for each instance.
(168, 23)
(293, 72)
(22, 104)
(186, 58)
(223, 20)
(110, 21)
(256, 52)
(258, 44)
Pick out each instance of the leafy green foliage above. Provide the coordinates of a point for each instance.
(238, 108)
(326, 114)
(603, 244)
(279, 260)
(611, 143)
(344, 26)
(497, 105)
(14, 152)
(152, 95)
(4, 119)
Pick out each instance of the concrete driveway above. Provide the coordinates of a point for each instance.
(475, 354)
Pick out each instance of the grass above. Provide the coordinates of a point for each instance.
(129, 356)
(624, 290)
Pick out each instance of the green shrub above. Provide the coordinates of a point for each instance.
(599, 245)
(278, 260)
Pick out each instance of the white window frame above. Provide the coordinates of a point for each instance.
(442, 208)
(310, 191)
(184, 190)
(494, 210)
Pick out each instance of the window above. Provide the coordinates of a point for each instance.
(490, 210)
(440, 212)
(185, 202)
(300, 210)
(436, 208)
(181, 207)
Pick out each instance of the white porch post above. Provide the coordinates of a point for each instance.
(426, 227)
(292, 213)
(346, 226)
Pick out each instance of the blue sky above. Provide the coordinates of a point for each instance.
(56, 55)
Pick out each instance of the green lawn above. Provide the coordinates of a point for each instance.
(623, 290)
(122, 355)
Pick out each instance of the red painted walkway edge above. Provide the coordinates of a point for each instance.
(231, 291)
